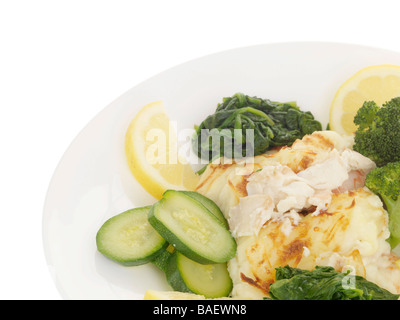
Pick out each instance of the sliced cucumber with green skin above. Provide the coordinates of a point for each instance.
(186, 275)
(129, 239)
(192, 229)
(209, 204)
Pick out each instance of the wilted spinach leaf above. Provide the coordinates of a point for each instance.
(324, 283)
(260, 125)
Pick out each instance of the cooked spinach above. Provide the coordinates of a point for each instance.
(260, 124)
(324, 283)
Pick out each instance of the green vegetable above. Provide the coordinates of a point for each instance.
(191, 228)
(129, 239)
(385, 181)
(262, 124)
(186, 275)
(378, 133)
(196, 228)
(324, 283)
(161, 260)
(209, 204)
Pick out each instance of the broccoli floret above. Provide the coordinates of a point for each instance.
(385, 182)
(378, 133)
(365, 115)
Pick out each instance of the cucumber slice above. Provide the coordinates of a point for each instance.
(209, 204)
(192, 229)
(186, 275)
(129, 239)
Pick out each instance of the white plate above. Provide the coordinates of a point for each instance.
(92, 181)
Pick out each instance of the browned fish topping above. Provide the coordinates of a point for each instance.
(263, 286)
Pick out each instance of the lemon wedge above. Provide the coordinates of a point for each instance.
(152, 152)
(176, 295)
(171, 295)
(379, 83)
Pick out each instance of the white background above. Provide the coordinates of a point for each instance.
(62, 62)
